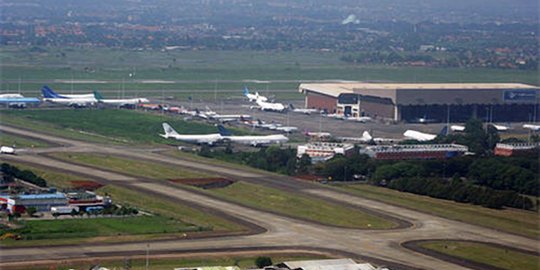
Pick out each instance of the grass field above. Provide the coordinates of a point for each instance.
(166, 208)
(244, 262)
(171, 220)
(107, 125)
(197, 71)
(486, 254)
(139, 168)
(295, 205)
(19, 142)
(514, 221)
(93, 227)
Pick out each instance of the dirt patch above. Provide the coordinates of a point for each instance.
(87, 185)
(205, 183)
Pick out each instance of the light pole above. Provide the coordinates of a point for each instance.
(147, 254)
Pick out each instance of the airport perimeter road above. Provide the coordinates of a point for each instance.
(282, 231)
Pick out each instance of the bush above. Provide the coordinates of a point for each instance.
(263, 261)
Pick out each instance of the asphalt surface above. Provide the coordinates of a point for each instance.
(382, 246)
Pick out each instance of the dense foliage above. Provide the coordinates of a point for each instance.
(272, 159)
(11, 172)
(460, 191)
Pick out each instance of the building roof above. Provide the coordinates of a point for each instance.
(331, 264)
(42, 196)
(425, 93)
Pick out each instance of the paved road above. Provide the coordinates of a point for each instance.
(282, 231)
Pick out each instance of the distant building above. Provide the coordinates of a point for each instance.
(330, 264)
(516, 149)
(497, 102)
(415, 151)
(87, 199)
(322, 151)
(209, 268)
(42, 202)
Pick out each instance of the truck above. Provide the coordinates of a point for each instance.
(64, 210)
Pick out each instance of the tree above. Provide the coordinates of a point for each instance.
(303, 164)
(31, 211)
(263, 261)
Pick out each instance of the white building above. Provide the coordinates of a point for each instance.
(322, 151)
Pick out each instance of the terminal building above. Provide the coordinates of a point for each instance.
(441, 102)
(415, 151)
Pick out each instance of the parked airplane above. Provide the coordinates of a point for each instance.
(17, 100)
(7, 150)
(223, 118)
(254, 97)
(423, 137)
(424, 120)
(11, 95)
(253, 140)
(457, 128)
(368, 138)
(362, 119)
(532, 127)
(304, 111)
(287, 129)
(501, 127)
(318, 135)
(270, 106)
(119, 102)
(72, 101)
(209, 139)
(52, 94)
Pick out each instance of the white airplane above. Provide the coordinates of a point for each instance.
(501, 127)
(287, 129)
(119, 102)
(7, 150)
(367, 138)
(304, 111)
(457, 128)
(253, 140)
(70, 100)
(419, 136)
(11, 96)
(318, 135)
(532, 127)
(49, 93)
(223, 118)
(335, 116)
(254, 97)
(270, 106)
(362, 119)
(209, 139)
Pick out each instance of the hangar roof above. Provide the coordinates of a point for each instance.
(422, 93)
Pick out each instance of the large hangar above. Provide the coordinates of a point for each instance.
(454, 102)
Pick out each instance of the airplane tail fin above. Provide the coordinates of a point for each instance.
(444, 131)
(169, 130)
(97, 95)
(366, 136)
(246, 91)
(291, 106)
(223, 131)
(48, 92)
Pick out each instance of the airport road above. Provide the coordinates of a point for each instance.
(282, 231)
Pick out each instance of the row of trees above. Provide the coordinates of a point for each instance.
(11, 172)
(461, 191)
(272, 159)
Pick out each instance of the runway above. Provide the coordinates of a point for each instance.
(378, 246)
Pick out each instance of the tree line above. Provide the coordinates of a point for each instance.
(10, 173)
